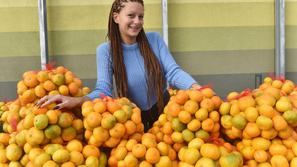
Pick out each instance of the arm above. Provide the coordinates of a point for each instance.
(173, 73)
(103, 85)
(104, 73)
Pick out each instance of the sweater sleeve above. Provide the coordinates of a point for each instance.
(104, 73)
(174, 74)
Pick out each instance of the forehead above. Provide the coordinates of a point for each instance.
(132, 7)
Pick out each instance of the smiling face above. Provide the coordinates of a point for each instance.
(130, 21)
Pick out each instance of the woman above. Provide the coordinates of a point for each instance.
(139, 62)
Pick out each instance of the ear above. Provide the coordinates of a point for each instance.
(116, 17)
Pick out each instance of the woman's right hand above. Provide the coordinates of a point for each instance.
(62, 101)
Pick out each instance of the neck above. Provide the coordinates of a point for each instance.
(128, 41)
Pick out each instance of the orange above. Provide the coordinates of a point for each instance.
(184, 117)
(77, 124)
(252, 130)
(77, 81)
(164, 162)
(152, 155)
(130, 127)
(100, 134)
(113, 106)
(120, 153)
(69, 77)
(174, 109)
(207, 104)
(207, 92)
(112, 142)
(61, 155)
(210, 151)
(68, 133)
(167, 128)
(52, 116)
(65, 119)
(68, 164)
(191, 106)
(42, 76)
(21, 87)
(30, 80)
(266, 110)
(49, 85)
(191, 156)
(208, 125)
(195, 95)
(13, 152)
(136, 117)
(139, 150)
(99, 106)
(73, 88)
(90, 150)
(172, 154)
(181, 97)
(232, 95)
(149, 140)
(61, 70)
(86, 90)
(145, 164)
(215, 116)
(260, 156)
(131, 160)
(63, 90)
(58, 79)
(278, 149)
(39, 91)
(74, 145)
(28, 96)
(93, 119)
(163, 148)
(217, 101)
(277, 83)
(279, 161)
(118, 131)
(130, 143)
(34, 136)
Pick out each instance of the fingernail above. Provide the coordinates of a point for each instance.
(56, 107)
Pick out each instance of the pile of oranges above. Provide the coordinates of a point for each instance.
(259, 125)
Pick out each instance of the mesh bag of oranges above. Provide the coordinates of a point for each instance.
(36, 84)
(147, 152)
(107, 121)
(188, 114)
(263, 121)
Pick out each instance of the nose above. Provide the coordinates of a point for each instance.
(138, 20)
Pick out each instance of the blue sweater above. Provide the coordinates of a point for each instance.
(137, 88)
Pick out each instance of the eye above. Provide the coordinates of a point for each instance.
(131, 15)
(141, 17)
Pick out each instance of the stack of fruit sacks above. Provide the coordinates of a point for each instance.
(263, 120)
(107, 121)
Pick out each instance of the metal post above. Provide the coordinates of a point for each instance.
(43, 33)
(280, 38)
(165, 21)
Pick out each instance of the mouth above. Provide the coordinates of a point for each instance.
(135, 28)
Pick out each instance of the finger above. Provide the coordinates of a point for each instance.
(42, 100)
(60, 106)
(50, 100)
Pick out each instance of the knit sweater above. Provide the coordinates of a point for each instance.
(135, 69)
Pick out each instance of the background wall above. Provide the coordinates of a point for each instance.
(226, 43)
